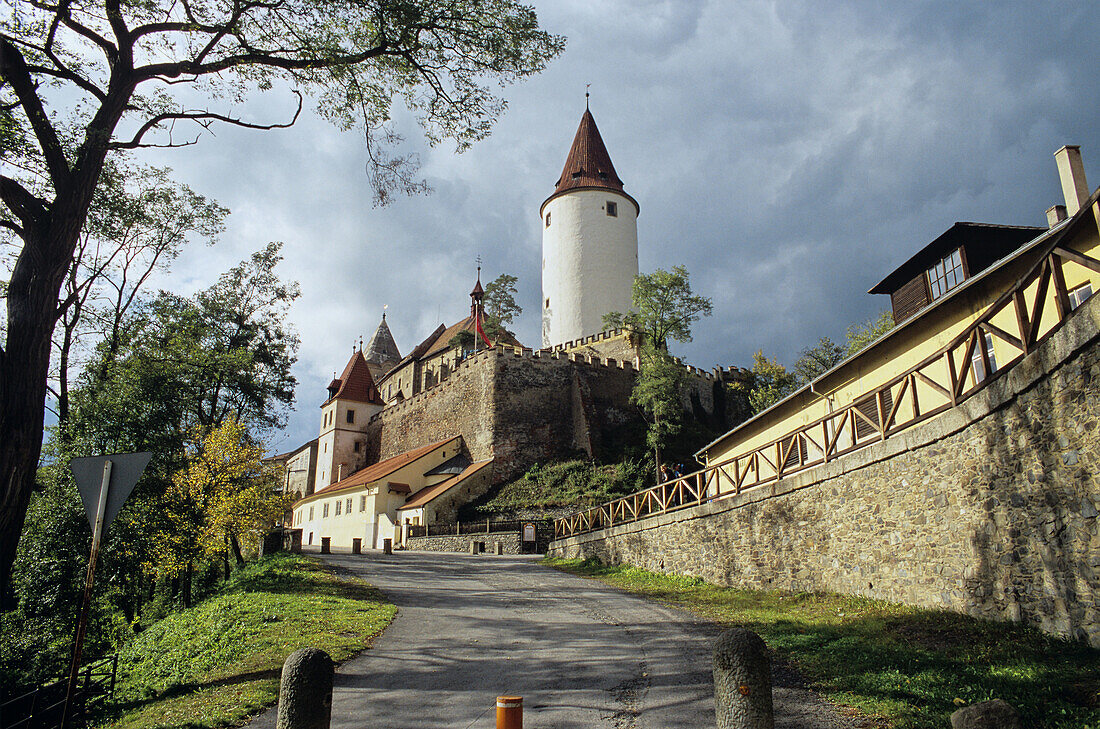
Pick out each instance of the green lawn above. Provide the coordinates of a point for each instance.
(909, 666)
(218, 662)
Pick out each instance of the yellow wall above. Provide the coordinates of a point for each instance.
(372, 520)
(910, 344)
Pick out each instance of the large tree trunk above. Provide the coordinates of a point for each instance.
(50, 234)
(236, 544)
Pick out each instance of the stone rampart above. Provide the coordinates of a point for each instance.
(989, 509)
(512, 543)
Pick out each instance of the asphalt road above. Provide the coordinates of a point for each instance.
(471, 628)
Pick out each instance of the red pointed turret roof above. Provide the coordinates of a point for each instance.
(588, 165)
(356, 383)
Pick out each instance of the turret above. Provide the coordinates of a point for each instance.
(352, 400)
(589, 242)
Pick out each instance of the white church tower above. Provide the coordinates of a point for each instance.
(589, 242)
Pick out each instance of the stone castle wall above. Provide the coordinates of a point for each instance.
(989, 509)
(520, 407)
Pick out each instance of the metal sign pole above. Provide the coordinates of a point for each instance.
(82, 621)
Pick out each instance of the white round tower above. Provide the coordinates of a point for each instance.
(589, 242)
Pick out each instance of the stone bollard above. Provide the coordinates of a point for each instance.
(742, 681)
(995, 714)
(387, 546)
(500, 548)
(473, 547)
(305, 691)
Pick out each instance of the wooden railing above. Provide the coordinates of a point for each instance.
(484, 526)
(939, 382)
(42, 707)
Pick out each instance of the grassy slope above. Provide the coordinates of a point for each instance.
(566, 483)
(219, 662)
(910, 665)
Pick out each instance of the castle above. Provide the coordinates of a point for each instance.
(407, 440)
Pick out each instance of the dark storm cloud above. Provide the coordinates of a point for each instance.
(790, 154)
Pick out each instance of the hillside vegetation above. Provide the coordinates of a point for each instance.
(215, 664)
(908, 667)
(575, 483)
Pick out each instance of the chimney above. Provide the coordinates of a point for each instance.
(1071, 171)
(1056, 214)
(340, 472)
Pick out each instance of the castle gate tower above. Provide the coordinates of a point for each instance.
(589, 242)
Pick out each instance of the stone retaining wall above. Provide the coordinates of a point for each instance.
(513, 542)
(989, 509)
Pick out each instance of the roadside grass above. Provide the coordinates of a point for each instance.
(219, 662)
(911, 667)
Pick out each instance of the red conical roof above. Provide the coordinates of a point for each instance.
(356, 382)
(588, 163)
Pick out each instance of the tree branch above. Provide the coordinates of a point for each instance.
(28, 208)
(13, 69)
(203, 118)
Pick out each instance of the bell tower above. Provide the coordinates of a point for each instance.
(589, 242)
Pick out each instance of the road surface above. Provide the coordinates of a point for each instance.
(581, 654)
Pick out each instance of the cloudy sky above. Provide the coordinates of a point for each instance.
(789, 154)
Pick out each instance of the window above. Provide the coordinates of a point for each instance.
(357, 446)
(978, 364)
(347, 507)
(577, 175)
(548, 303)
(548, 220)
(310, 538)
(324, 511)
(311, 513)
(325, 450)
(1079, 295)
(351, 416)
(612, 209)
(946, 275)
(603, 175)
(363, 503)
(339, 504)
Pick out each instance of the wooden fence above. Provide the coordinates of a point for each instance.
(42, 708)
(943, 379)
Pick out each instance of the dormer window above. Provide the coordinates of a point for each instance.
(603, 175)
(946, 275)
(612, 209)
(577, 174)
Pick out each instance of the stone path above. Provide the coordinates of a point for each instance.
(580, 654)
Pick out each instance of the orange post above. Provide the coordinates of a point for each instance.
(509, 712)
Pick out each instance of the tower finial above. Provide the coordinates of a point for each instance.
(384, 307)
(586, 87)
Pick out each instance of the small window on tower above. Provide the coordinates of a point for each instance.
(612, 209)
(358, 445)
(548, 303)
(351, 416)
(548, 220)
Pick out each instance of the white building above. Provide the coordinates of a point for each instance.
(589, 242)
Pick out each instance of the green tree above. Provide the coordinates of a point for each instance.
(818, 359)
(860, 335)
(126, 75)
(664, 308)
(500, 305)
(138, 223)
(769, 383)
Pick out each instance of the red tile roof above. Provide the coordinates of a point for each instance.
(356, 382)
(588, 165)
(380, 470)
(429, 493)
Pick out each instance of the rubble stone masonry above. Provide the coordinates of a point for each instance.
(989, 509)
